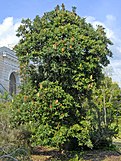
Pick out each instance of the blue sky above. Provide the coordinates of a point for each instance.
(30, 8)
(105, 12)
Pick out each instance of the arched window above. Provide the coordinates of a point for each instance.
(12, 84)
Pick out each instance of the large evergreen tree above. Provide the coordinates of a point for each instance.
(59, 52)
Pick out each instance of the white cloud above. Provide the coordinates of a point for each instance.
(8, 32)
(111, 30)
(94, 22)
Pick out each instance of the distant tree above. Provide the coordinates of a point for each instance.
(105, 108)
(60, 52)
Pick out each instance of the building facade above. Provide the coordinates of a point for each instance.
(9, 71)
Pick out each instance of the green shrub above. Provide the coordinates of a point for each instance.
(10, 145)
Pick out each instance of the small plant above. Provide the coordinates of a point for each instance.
(5, 97)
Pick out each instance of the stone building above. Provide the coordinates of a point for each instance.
(9, 71)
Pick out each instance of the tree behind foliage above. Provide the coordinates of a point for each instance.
(61, 60)
(105, 109)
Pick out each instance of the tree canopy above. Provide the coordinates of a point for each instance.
(61, 46)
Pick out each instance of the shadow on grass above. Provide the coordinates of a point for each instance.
(49, 154)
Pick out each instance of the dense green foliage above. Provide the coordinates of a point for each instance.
(61, 60)
(11, 146)
(52, 116)
(62, 47)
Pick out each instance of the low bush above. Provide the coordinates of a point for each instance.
(11, 148)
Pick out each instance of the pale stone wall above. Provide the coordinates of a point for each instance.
(8, 65)
(1, 67)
